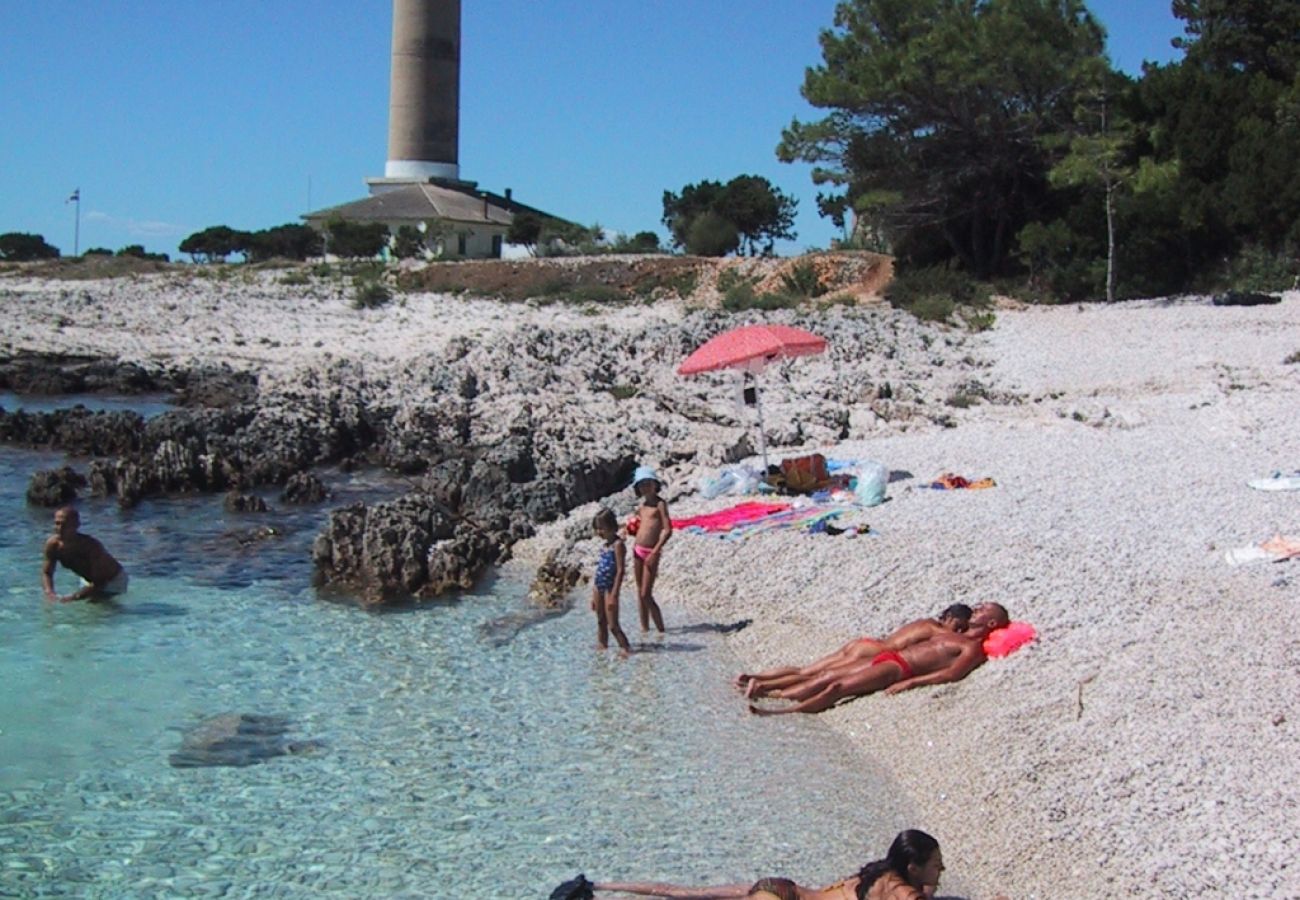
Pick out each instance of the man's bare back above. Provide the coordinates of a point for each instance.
(81, 554)
(851, 655)
(942, 658)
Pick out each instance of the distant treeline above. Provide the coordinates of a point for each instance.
(17, 246)
(994, 137)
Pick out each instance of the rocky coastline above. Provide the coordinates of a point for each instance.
(1123, 754)
(496, 434)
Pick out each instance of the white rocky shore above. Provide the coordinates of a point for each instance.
(1146, 745)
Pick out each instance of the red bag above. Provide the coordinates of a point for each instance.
(805, 474)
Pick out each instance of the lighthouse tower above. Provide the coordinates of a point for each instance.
(424, 95)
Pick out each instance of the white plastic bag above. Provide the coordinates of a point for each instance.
(731, 480)
(872, 479)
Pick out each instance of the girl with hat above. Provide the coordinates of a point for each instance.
(653, 528)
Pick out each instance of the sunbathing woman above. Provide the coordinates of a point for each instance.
(910, 871)
(954, 618)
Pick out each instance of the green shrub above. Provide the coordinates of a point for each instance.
(844, 298)
(933, 308)
(554, 287)
(709, 234)
(295, 277)
(1256, 269)
(683, 283)
(743, 296)
(910, 286)
(596, 293)
(729, 278)
(408, 243)
(978, 320)
(355, 240)
(802, 280)
(17, 246)
(369, 294)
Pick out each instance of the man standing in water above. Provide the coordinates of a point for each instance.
(104, 575)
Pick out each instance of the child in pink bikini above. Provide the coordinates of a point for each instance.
(653, 528)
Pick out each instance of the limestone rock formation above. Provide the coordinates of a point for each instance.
(54, 487)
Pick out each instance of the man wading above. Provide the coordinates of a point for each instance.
(104, 575)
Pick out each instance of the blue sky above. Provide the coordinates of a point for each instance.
(170, 121)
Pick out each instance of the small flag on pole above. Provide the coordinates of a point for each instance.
(76, 195)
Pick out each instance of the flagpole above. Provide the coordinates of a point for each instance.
(76, 229)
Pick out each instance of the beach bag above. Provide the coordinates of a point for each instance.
(805, 474)
(872, 479)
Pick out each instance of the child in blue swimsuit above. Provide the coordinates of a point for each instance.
(608, 581)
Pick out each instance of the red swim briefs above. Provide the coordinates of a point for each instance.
(893, 657)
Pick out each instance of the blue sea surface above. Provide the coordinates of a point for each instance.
(148, 405)
(451, 765)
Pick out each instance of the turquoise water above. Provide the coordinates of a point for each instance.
(147, 406)
(451, 767)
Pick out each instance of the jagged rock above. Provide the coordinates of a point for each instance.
(77, 431)
(218, 387)
(243, 503)
(456, 564)
(384, 551)
(54, 487)
(303, 488)
(553, 582)
(53, 374)
(250, 536)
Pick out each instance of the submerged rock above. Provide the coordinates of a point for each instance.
(54, 487)
(238, 739)
(241, 503)
(303, 488)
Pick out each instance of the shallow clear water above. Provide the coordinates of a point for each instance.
(451, 766)
(147, 405)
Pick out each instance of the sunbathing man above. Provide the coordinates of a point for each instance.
(855, 652)
(104, 575)
(940, 659)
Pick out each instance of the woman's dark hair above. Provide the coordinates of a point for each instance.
(911, 847)
(604, 519)
(959, 611)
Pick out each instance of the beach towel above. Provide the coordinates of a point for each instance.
(950, 482)
(729, 518)
(1277, 482)
(1275, 549)
(805, 518)
(1005, 641)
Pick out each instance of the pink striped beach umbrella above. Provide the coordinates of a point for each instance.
(749, 349)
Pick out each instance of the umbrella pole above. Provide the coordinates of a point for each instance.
(762, 439)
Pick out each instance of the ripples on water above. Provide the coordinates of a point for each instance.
(451, 768)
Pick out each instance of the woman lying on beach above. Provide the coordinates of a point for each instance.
(855, 652)
(909, 871)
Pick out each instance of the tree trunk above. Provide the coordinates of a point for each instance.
(1110, 241)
